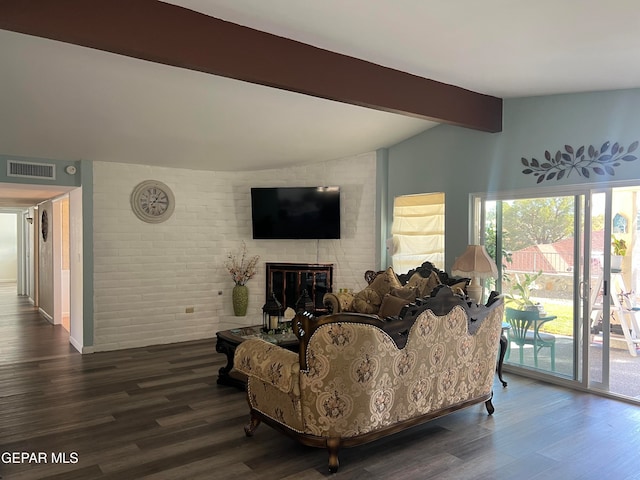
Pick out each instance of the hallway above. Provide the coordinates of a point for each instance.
(26, 336)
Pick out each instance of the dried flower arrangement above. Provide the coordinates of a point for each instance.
(245, 269)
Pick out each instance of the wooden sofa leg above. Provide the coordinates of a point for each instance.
(254, 421)
(333, 444)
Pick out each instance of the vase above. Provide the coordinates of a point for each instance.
(240, 297)
(616, 263)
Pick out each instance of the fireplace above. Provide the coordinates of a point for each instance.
(289, 280)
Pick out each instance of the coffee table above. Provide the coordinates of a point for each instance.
(228, 340)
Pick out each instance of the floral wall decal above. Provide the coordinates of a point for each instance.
(583, 161)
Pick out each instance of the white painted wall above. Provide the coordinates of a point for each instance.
(55, 236)
(146, 275)
(76, 268)
(8, 247)
(31, 254)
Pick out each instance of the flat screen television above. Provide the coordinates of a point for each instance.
(295, 212)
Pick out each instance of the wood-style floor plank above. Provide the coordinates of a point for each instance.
(157, 413)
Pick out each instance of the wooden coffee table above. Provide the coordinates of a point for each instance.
(228, 340)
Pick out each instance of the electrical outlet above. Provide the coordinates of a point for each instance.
(189, 310)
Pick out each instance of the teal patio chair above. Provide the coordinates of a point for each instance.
(525, 330)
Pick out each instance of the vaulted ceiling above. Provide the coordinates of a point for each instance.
(135, 91)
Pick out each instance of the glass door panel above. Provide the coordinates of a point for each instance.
(533, 241)
(598, 305)
(555, 254)
(614, 352)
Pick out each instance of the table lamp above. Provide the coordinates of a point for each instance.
(475, 263)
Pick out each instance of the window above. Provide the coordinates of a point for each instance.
(417, 231)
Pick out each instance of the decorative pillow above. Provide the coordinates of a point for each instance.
(408, 293)
(392, 305)
(424, 285)
(367, 301)
(384, 282)
(346, 301)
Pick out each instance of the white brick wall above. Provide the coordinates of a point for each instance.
(146, 275)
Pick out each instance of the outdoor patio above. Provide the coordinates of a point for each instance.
(625, 368)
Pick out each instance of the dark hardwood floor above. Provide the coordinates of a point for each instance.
(157, 413)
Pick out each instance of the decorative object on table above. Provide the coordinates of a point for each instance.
(152, 201)
(476, 263)
(272, 312)
(583, 161)
(304, 303)
(240, 300)
(520, 295)
(619, 250)
(241, 271)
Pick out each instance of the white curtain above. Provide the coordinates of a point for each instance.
(418, 231)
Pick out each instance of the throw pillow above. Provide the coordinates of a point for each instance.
(408, 293)
(384, 282)
(392, 306)
(346, 301)
(424, 285)
(367, 301)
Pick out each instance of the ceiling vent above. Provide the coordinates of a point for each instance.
(31, 170)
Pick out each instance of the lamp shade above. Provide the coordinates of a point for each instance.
(475, 262)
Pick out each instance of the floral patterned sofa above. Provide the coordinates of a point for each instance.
(387, 292)
(358, 377)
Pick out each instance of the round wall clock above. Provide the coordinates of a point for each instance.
(44, 225)
(152, 201)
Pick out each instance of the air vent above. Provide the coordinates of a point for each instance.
(31, 170)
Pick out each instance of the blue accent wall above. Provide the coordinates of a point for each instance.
(460, 161)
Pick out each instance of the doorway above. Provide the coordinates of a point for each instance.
(554, 256)
(613, 311)
(533, 243)
(54, 262)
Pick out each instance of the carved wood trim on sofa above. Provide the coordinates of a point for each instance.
(352, 383)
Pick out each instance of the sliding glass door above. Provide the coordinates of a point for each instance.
(533, 241)
(614, 313)
(573, 312)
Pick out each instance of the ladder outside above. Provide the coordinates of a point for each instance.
(621, 306)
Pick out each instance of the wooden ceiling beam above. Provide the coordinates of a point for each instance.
(172, 35)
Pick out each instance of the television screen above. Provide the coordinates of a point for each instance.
(295, 212)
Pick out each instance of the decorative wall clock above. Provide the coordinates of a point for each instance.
(152, 201)
(44, 225)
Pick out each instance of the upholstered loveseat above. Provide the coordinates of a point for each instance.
(357, 377)
(387, 292)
